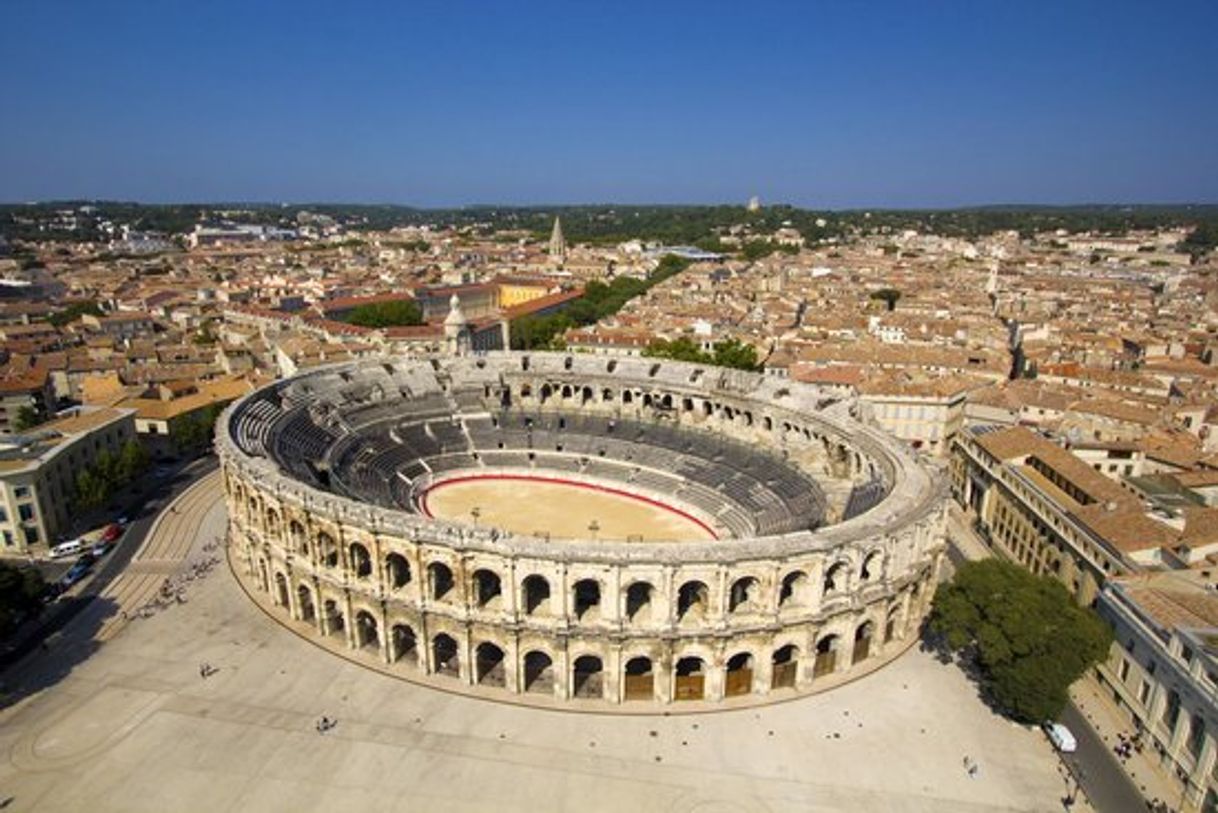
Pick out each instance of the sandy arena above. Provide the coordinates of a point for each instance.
(555, 508)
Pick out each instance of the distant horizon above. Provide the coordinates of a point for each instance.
(1183, 204)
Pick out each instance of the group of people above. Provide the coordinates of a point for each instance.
(325, 724)
(971, 766)
(206, 670)
(1126, 745)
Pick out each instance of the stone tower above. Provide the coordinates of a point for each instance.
(457, 337)
(558, 246)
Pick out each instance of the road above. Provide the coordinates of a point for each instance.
(1098, 771)
(112, 565)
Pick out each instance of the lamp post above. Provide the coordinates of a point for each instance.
(593, 527)
(475, 512)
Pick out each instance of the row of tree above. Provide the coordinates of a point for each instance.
(97, 483)
(396, 313)
(727, 353)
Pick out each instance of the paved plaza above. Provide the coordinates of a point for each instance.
(131, 725)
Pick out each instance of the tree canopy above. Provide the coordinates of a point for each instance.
(397, 313)
(889, 296)
(727, 353)
(1029, 639)
(19, 592)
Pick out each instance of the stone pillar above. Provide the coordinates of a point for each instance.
(348, 621)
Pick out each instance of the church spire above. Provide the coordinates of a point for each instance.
(558, 246)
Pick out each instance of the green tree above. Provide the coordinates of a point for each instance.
(20, 589)
(92, 491)
(757, 249)
(73, 312)
(889, 296)
(735, 353)
(1028, 638)
(397, 313)
(132, 460)
(26, 418)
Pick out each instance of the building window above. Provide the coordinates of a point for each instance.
(21, 491)
(31, 534)
(1144, 692)
(26, 511)
(1124, 670)
(1171, 712)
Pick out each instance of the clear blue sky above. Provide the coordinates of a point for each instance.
(833, 104)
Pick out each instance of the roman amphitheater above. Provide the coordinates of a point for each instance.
(575, 530)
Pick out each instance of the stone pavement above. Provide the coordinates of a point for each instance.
(130, 725)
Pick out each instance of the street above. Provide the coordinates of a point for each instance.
(60, 612)
(1096, 767)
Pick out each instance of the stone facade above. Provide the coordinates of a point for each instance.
(615, 621)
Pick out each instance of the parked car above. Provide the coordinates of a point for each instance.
(75, 573)
(1061, 737)
(113, 531)
(65, 549)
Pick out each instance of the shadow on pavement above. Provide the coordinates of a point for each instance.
(42, 662)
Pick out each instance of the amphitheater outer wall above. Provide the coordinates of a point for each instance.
(745, 618)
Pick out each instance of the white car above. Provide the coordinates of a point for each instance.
(66, 549)
(1061, 737)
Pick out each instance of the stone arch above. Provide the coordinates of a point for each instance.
(538, 672)
(397, 568)
(544, 393)
(403, 643)
(689, 678)
(281, 589)
(488, 588)
(536, 591)
(586, 599)
(360, 559)
(298, 538)
(272, 520)
(639, 600)
(440, 581)
(794, 590)
(445, 656)
(335, 622)
(892, 623)
(587, 677)
(836, 578)
(367, 633)
(872, 567)
(863, 634)
(327, 549)
(304, 603)
(693, 600)
(739, 677)
(784, 667)
(638, 679)
(489, 665)
(826, 655)
(745, 595)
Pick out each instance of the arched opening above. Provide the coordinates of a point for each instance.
(862, 641)
(538, 673)
(304, 601)
(586, 395)
(784, 667)
(739, 675)
(536, 595)
(826, 656)
(587, 677)
(488, 590)
(567, 391)
(544, 394)
(488, 665)
(366, 633)
(440, 578)
(587, 594)
(361, 562)
(327, 550)
(281, 590)
(335, 622)
(638, 602)
(692, 600)
(835, 579)
(444, 656)
(690, 682)
(264, 580)
(405, 645)
(526, 391)
(794, 590)
(606, 395)
(272, 520)
(298, 538)
(872, 566)
(398, 570)
(744, 595)
(627, 397)
(639, 680)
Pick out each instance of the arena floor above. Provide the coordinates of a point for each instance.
(535, 506)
